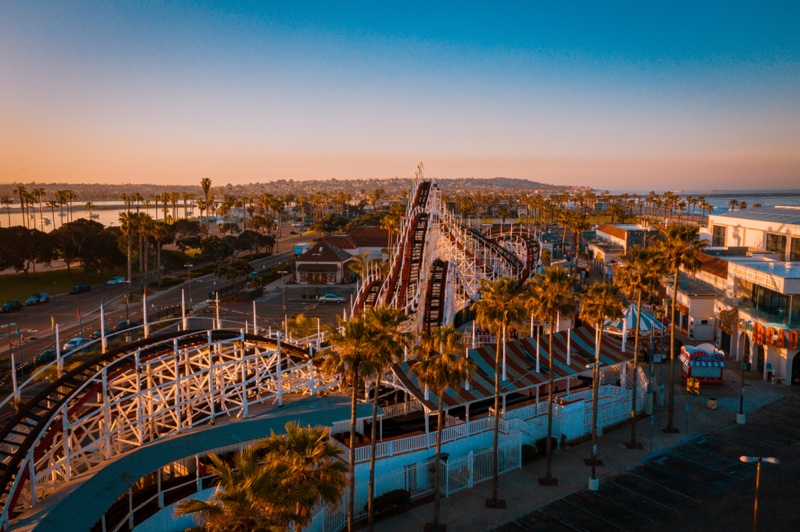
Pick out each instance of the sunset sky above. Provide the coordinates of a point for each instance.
(613, 95)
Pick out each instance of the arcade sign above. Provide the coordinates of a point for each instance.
(775, 336)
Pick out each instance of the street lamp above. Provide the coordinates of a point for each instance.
(740, 417)
(189, 271)
(594, 483)
(283, 299)
(758, 460)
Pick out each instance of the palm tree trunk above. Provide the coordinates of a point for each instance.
(549, 471)
(595, 389)
(496, 435)
(372, 443)
(671, 409)
(351, 504)
(633, 443)
(437, 503)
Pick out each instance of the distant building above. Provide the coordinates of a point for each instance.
(326, 261)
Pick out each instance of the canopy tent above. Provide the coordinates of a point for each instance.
(524, 367)
(650, 325)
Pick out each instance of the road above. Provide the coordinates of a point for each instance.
(35, 322)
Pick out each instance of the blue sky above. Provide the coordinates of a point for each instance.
(612, 95)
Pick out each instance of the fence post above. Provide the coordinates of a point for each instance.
(471, 468)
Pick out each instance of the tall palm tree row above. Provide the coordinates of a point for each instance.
(349, 353)
(386, 346)
(500, 307)
(551, 298)
(680, 249)
(602, 301)
(639, 273)
(444, 367)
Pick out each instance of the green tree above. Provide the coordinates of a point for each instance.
(22, 248)
(234, 270)
(7, 201)
(316, 467)
(680, 249)
(447, 368)
(205, 185)
(639, 273)
(250, 495)
(500, 307)
(601, 302)
(301, 326)
(551, 298)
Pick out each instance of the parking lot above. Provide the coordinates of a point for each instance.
(698, 485)
(299, 299)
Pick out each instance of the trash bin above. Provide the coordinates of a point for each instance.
(648, 403)
(712, 403)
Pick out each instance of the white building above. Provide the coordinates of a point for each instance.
(759, 313)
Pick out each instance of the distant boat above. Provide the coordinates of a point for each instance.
(45, 221)
(95, 216)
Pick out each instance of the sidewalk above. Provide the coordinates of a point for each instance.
(466, 510)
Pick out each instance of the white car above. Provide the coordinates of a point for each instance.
(116, 280)
(331, 298)
(75, 343)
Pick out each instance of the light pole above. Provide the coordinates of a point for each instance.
(594, 483)
(758, 460)
(740, 417)
(189, 272)
(283, 299)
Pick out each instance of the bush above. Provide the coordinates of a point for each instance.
(541, 445)
(390, 499)
(529, 453)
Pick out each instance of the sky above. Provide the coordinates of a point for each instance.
(612, 95)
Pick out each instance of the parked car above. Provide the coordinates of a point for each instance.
(11, 306)
(116, 280)
(75, 343)
(97, 334)
(125, 325)
(48, 355)
(36, 299)
(331, 298)
(293, 232)
(80, 288)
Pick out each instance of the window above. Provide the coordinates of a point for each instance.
(718, 237)
(794, 252)
(777, 244)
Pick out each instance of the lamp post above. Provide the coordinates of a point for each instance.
(740, 417)
(283, 300)
(758, 460)
(189, 272)
(594, 483)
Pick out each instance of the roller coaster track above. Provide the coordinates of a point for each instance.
(434, 299)
(135, 394)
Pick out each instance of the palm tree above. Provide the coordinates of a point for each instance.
(128, 224)
(638, 274)
(350, 347)
(89, 207)
(22, 192)
(551, 297)
(387, 343)
(159, 231)
(360, 265)
(7, 201)
(500, 307)
(680, 248)
(205, 185)
(38, 193)
(250, 495)
(601, 302)
(448, 368)
(316, 466)
(733, 203)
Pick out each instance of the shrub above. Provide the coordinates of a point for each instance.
(390, 499)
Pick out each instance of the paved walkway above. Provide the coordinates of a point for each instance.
(466, 510)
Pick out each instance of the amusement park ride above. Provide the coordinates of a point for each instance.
(159, 386)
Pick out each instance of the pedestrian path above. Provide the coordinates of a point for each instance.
(466, 510)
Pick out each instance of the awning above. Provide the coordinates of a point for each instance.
(521, 367)
(650, 323)
(317, 268)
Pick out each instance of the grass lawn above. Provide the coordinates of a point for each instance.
(18, 286)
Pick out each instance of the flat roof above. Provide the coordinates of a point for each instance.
(782, 214)
(787, 270)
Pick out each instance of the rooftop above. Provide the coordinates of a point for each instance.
(788, 215)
